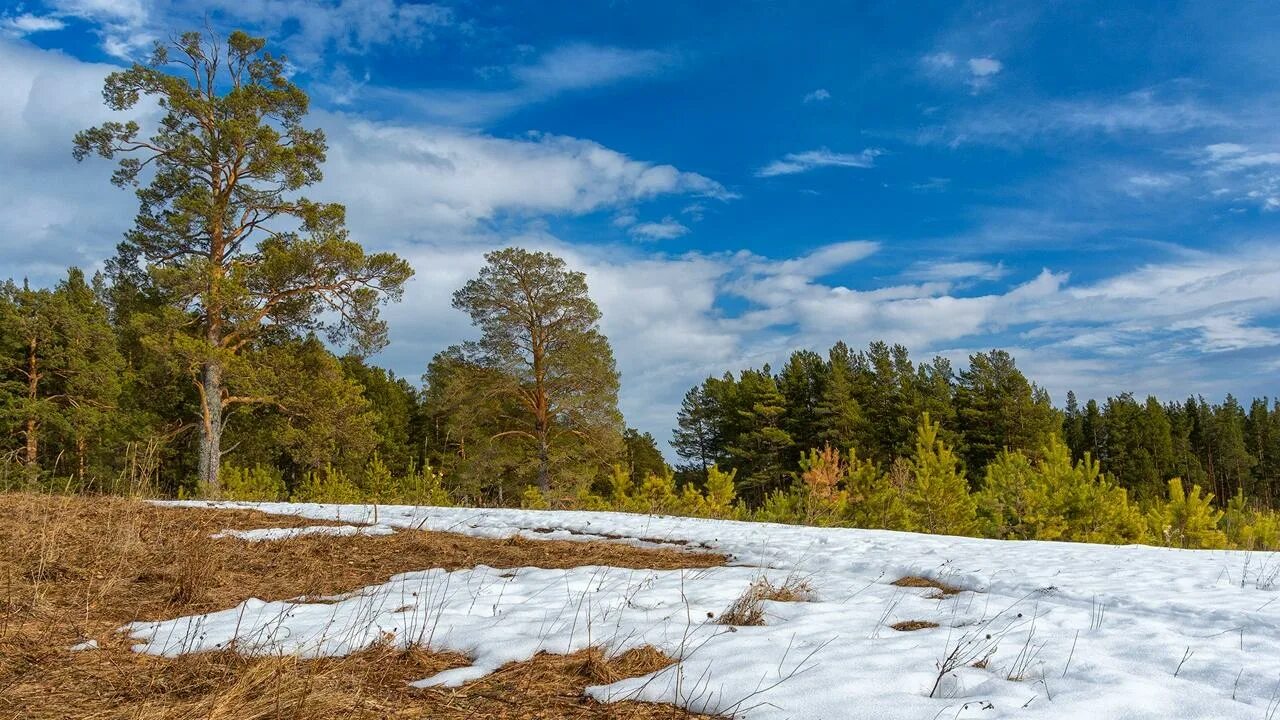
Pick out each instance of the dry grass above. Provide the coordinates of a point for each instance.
(913, 625)
(550, 686)
(748, 609)
(941, 589)
(80, 567)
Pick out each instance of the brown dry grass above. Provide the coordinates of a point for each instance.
(913, 625)
(80, 567)
(748, 609)
(941, 589)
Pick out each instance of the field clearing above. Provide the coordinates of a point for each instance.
(78, 568)
(404, 611)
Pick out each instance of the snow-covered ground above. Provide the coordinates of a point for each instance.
(1066, 630)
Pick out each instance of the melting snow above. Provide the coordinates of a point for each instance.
(266, 534)
(1042, 630)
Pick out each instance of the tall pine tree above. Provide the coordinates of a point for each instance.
(222, 233)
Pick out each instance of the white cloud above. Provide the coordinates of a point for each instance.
(1218, 151)
(404, 176)
(314, 32)
(817, 96)
(306, 28)
(1154, 181)
(26, 24)
(793, 163)
(1223, 333)
(1153, 184)
(122, 25)
(580, 66)
(820, 262)
(1230, 157)
(53, 212)
(668, 229)
(1244, 174)
(932, 184)
(309, 29)
(1143, 111)
(401, 181)
(954, 271)
(571, 68)
(976, 72)
(982, 70)
(938, 61)
(984, 66)
(1145, 330)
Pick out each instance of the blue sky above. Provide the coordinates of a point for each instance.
(1094, 186)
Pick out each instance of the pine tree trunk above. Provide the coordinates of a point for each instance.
(211, 429)
(33, 421)
(544, 463)
(82, 450)
(541, 409)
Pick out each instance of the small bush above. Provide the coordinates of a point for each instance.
(328, 486)
(1249, 527)
(533, 499)
(255, 484)
(1187, 519)
(422, 486)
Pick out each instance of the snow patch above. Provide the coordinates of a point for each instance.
(272, 534)
(1042, 630)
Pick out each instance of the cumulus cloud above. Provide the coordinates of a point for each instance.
(54, 211)
(403, 181)
(412, 177)
(1098, 337)
(793, 163)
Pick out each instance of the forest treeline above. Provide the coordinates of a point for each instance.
(93, 400)
(224, 352)
(761, 423)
